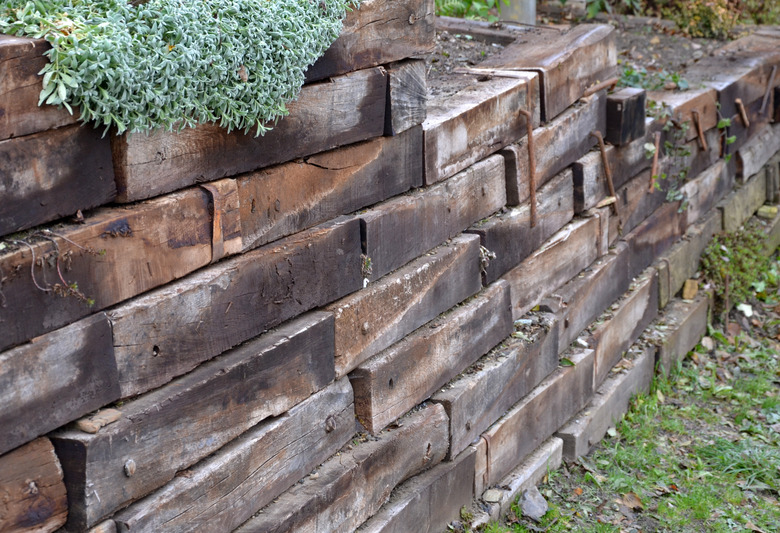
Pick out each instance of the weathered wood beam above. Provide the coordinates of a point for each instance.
(53, 174)
(512, 236)
(580, 301)
(345, 110)
(561, 258)
(113, 255)
(485, 391)
(406, 227)
(476, 121)
(428, 502)
(352, 486)
(225, 490)
(171, 330)
(377, 316)
(568, 62)
(532, 421)
(625, 116)
(177, 425)
(21, 59)
(556, 146)
(288, 198)
(410, 371)
(34, 497)
(608, 405)
(407, 96)
(378, 33)
(55, 379)
(623, 324)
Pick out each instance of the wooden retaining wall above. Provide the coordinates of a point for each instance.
(373, 314)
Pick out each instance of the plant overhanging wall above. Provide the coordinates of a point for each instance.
(176, 63)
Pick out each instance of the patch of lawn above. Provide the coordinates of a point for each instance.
(700, 452)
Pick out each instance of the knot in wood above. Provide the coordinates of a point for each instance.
(330, 423)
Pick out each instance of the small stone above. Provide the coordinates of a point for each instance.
(708, 343)
(698, 54)
(767, 211)
(533, 504)
(690, 289)
(492, 496)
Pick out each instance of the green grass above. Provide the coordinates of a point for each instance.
(699, 451)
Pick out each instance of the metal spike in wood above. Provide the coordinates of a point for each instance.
(606, 84)
(654, 168)
(769, 87)
(529, 125)
(607, 170)
(742, 112)
(699, 132)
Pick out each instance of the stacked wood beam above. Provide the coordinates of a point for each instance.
(372, 314)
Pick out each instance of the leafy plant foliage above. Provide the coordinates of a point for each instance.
(170, 64)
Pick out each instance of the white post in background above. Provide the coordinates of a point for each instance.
(519, 11)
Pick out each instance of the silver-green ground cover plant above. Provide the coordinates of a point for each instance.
(176, 63)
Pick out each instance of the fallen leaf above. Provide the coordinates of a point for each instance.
(655, 40)
(752, 527)
(566, 362)
(660, 396)
(708, 343)
(745, 309)
(632, 501)
(578, 491)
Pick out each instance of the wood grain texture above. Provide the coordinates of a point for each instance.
(681, 262)
(352, 486)
(627, 320)
(609, 404)
(53, 174)
(410, 371)
(580, 301)
(117, 253)
(625, 116)
(225, 490)
(177, 425)
(654, 236)
(537, 416)
(375, 317)
(21, 59)
(479, 396)
(757, 151)
(428, 502)
(561, 258)
(510, 235)
(556, 146)
(291, 197)
(407, 96)
(686, 323)
(568, 62)
(737, 74)
(476, 121)
(682, 104)
(740, 205)
(225, 218)
(171, 330)
(56, 378)
(378, 33)
(406, 227)
(342, 111)
(706, 190)
(34, 497)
